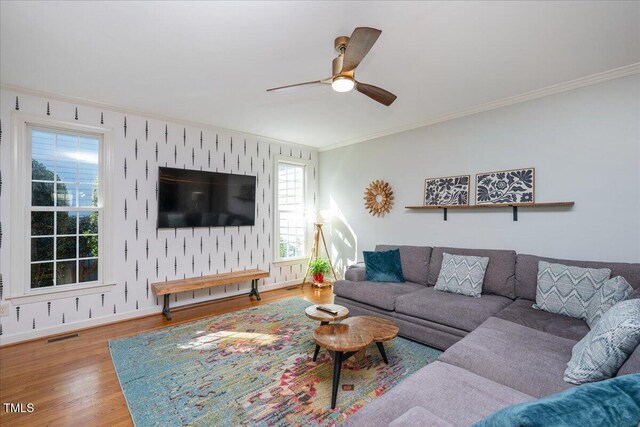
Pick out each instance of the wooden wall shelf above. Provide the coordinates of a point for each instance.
(513, 206)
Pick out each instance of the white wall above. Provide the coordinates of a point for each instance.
(193, 251)
(584, 144)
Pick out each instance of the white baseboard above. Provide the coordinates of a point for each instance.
(74, 326)
(115, 318)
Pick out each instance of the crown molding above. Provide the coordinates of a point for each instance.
(615, 73)
(125, 110)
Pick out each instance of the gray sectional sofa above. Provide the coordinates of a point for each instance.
(499, 351)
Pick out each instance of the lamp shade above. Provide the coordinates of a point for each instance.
(323, 216)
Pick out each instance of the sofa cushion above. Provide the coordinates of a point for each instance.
(519, 357)
(527, 272)
(603, 351)
(383, 266)
(419, 417)
(566, 289)
(361, 309)
(522, 312)
(377, 294)
(433, 334)
(448, 392)
(414, 260)
(462, 275)
(499, 277)
(450, 309)
(615, 402)
(355, 273)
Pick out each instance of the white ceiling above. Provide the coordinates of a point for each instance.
(211, 62)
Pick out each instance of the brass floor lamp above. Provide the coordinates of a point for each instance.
(315, 250)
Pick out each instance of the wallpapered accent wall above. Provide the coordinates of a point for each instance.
(143, 254)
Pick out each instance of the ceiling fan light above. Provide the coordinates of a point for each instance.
(342, 84)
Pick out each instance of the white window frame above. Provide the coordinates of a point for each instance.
(276, 212)
(20, 285)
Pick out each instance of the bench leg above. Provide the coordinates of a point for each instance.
(254, 289)
(165, 308)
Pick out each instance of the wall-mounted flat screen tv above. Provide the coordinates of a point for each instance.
(191, 198)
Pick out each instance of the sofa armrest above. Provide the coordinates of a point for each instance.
(355, 273)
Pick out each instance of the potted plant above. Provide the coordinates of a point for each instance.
(318, 268)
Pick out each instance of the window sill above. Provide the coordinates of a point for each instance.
(48, 295)
(290, 261)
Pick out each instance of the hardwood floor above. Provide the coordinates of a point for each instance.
(73, 382)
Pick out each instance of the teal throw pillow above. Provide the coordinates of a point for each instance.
(383, 266)
(610, 403)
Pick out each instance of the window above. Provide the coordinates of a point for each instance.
(64, 212)
(59, 214)
(291, 209)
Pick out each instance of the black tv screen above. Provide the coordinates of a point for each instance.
(190, 198)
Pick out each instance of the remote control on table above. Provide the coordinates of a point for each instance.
(327, 310)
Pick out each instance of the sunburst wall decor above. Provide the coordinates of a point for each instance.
(378, 198)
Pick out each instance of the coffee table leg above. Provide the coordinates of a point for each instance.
(382, 353)
(317, 350)
(337, 364)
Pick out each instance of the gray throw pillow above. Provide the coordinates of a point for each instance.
(635, 294)
(462, 275)
(600, 353)
(567, 290)
(607, 295)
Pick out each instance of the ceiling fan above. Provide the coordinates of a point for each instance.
(352, 51)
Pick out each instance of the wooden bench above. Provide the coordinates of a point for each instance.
(202, 282)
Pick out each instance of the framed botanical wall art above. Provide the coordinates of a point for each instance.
(447, 191)
(506, 187)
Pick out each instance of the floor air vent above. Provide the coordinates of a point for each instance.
(64, 337)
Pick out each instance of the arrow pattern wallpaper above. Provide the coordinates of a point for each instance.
(143, 254)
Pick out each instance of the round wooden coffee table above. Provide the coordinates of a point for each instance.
(344, 341)
(381, 329)
(325, 318)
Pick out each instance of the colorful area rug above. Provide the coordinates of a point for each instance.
(251, 367)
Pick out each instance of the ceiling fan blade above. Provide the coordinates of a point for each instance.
(289, 88)
(376, 93)
(360, 43)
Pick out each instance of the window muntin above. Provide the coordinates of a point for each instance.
(291, 210)
(64, 208)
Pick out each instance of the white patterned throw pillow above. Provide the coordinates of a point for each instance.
(462, 274)
(567, 290)
(607, 295)
(600, 353)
